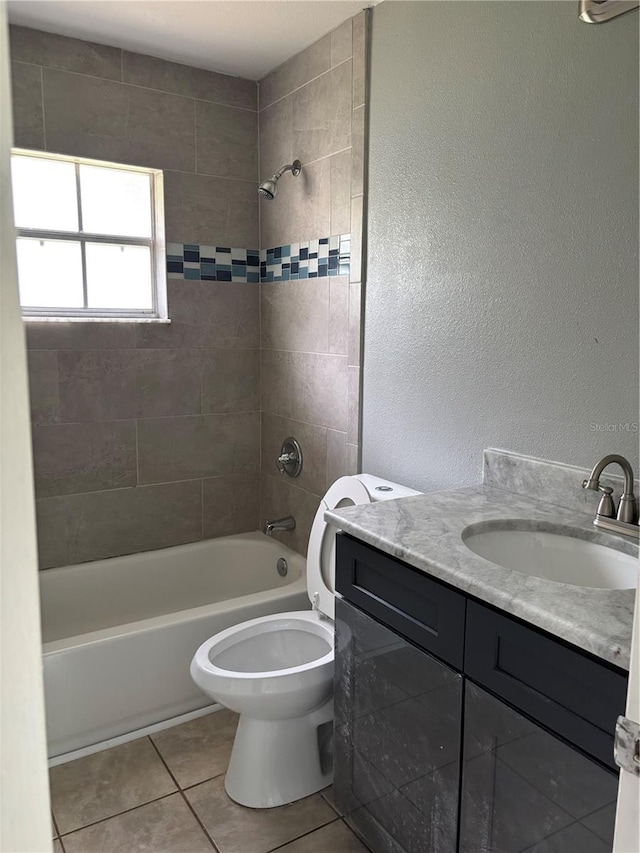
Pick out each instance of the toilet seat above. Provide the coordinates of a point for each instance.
(239, 639)
(321, 571)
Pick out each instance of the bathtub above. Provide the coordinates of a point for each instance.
(119, 634)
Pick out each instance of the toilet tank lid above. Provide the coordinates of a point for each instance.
(384, 490)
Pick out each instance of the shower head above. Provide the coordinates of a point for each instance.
(268, 188)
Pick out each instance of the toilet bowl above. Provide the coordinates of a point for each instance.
(277, 673)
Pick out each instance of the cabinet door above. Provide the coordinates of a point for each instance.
(525, 790)
(397, 738)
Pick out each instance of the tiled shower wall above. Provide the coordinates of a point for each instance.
(147, 436)
(312, 108)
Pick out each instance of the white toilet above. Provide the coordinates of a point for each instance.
(277, 673)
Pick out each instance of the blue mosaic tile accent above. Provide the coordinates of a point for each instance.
(326, 256)
(190, 262)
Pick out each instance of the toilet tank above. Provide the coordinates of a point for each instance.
(384, 490)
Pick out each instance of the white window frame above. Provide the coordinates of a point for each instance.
(156, 243)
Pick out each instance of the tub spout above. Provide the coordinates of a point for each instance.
(288, 523)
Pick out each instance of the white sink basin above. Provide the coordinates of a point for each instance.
(554, 556)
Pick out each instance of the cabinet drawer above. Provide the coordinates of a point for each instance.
(572, 695)
(423, 610)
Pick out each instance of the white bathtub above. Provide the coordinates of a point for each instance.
(119, 634)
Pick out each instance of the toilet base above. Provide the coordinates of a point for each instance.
(274, 762)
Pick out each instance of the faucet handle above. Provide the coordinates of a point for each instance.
(606, 507)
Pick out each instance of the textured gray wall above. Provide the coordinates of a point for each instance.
(502, 296)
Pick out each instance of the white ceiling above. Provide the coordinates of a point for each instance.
(245, 38)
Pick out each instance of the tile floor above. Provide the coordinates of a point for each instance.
(165, 794)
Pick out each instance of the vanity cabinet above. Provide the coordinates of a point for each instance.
(396, 750)
(459, 729)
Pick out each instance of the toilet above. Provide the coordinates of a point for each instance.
(277, 673)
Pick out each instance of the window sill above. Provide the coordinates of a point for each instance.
(35, 319)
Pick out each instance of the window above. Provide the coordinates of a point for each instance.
(90, 238)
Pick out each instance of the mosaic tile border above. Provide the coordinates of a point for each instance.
(192, 262)
(325, 256)
(307, 259)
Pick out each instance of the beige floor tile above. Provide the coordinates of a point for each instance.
(335, 837)
(107, 783)
(200, 749)
(236, 829)
(166, 826)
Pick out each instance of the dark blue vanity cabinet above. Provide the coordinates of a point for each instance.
(461, 730)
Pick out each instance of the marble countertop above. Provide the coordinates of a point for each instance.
(426, 532)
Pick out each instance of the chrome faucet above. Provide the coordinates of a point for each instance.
(288, 523)
(626, 519)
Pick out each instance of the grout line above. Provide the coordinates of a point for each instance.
(137, 455)
(218, 177)
(119, 814)
(305, 834)
(55, 824)
(44, 125)
(297, 89)
(182, 794)
(147, 88)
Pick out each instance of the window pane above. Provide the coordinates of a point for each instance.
(115, 202)
(49, 273)
(44, 194)
(118, 276)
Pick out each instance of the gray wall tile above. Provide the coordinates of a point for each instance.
(339, 315)
(336, 456)
(207, 314)
(359, 58)
(231, 504)
(306, 386)
(357, 149)
(357, 218)
(342, 42)
(276, 392)
(98, 385)
(314, 60)
(226, 141)
(354, 405)
(65, 54)
(80, 335)
(310, 330)
(341, 192)
(72, 458)
(230, 380)
(155, 73)
(28, 119)
(276, 138)
(167, 382)
(320, 389)
(106, 120)
(355, 331)
(96, 525)
(279, 499)
(322, 115)
(353, 459)
(312, 439)
(204, 209)
(43, 386)
(183, 448)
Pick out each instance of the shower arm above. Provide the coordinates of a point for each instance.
(290, 167)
